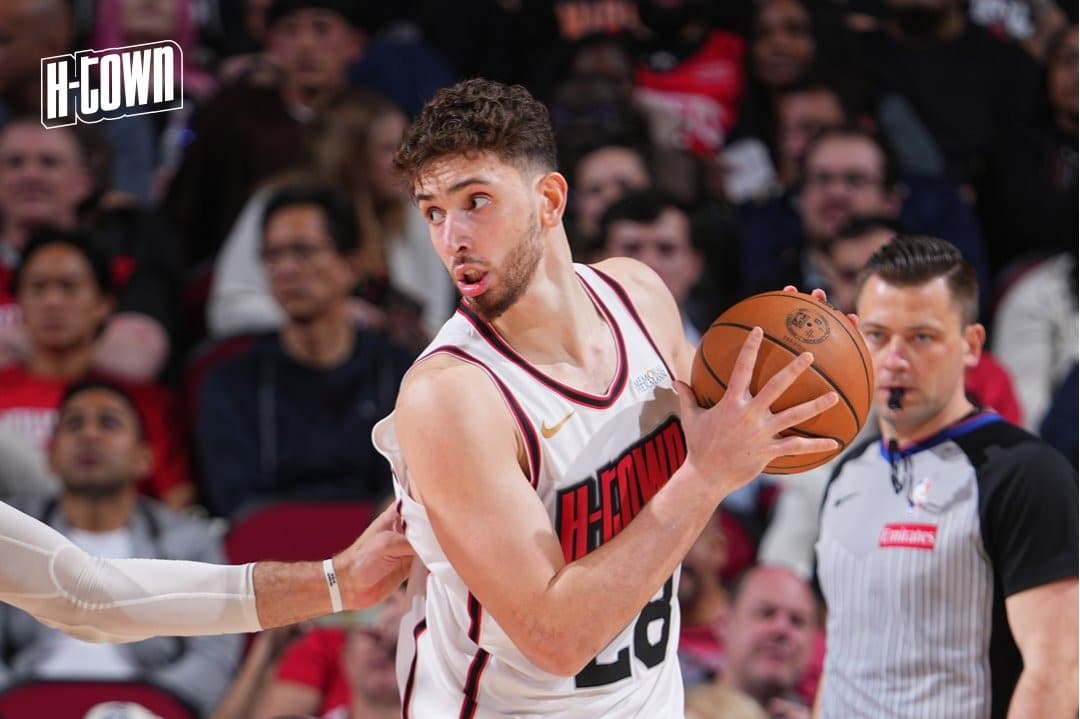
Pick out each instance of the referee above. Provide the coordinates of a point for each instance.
(948, 549)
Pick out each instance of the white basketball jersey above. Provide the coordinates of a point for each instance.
(594, 460)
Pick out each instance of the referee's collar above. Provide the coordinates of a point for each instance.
(968, 423)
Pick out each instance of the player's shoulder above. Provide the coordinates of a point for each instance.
(444, 386)
(636, 277)
(644, 289)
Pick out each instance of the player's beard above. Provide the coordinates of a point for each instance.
(514, 276)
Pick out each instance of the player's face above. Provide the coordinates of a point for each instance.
(97, 447)
(308, 277)
(919, 344)
(483, 216)
(844, 177)
(62, 305)
(42, 177)
(770, 632)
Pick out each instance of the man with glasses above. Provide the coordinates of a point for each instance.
(280, 419)
(848, 172)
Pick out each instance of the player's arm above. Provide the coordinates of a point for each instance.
(465, 466)
(1043, 622)
(123, 600)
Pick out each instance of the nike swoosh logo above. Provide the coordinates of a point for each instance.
(550, 432)
(840, 500)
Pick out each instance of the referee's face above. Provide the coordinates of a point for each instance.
(920, 345)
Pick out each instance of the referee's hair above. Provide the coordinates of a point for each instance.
(912, 260)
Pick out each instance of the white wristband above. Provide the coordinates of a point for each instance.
(332, 585)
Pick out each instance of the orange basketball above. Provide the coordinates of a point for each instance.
(792, 323)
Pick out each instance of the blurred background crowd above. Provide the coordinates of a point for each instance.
(249, 273)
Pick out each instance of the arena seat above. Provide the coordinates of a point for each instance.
(293, 531)
(73, 699)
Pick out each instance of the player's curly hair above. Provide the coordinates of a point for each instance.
(477, 116)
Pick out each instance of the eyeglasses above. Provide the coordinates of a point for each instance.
(302, 253)
(852, 180)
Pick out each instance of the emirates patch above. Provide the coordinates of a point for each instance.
(912, 536)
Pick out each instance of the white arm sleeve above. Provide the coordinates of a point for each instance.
(118, 600)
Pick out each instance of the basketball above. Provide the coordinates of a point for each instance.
(792, 323)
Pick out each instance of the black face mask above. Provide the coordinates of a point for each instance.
(919, 21)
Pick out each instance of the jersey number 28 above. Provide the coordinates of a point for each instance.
(596, 674)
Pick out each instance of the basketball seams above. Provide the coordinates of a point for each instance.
(856, 340)
(778, 343)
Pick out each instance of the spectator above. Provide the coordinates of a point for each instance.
(281, 419)
(803, 111)
(689, 80)
(99, 451)
(1031, 205)
(1035, 332)
(847, 172)
(601, 176)
(713, 701)
(651, 227)
(769, 638)
(43, 28)
(782, 52)
(1060, 426)
(703, 603)
(404, 288)
(947, 93)
(344, 670)
(45, 180)
(250, 131)
(953, 519)
(62, 288)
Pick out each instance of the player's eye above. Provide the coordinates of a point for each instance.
(434, 215)
(478, 201)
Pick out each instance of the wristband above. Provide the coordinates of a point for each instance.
(332, 585)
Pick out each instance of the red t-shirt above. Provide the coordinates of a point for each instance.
(990, 386)
(316, 660)
(700, 96)
(28, 406)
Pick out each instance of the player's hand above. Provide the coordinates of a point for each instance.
(819, 294)
(734, 440)
(376, 564)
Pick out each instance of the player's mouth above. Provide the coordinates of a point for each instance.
(471, 280)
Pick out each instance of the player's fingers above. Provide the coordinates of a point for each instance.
(783, 379)
(791, 289)
(790, 446)
(739, 382)
(854, 318)
(687, 399)
(800, 413)
(819, 295)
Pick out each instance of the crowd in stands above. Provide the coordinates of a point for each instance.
(238, 286)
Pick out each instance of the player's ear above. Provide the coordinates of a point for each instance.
(553, 193)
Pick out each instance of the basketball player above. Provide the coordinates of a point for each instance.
(947, 555)
(125, 600)
(551, 470)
